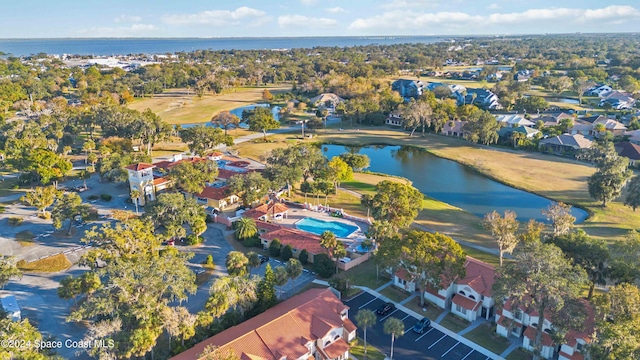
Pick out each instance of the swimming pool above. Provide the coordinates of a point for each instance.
(317, 226)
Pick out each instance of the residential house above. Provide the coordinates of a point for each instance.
(408, 88)
(610, 125)
(217, 197)
(482, 98)
(468, 298)
(514, 120)
(312, 325)
(618, 100)
(521, 322)
(394, 120)
(630, 151)
(298, 239)
(326, 101)
(528, 132)
(523, 75)
(581, 127)
(453, 128)
(598, 90)
(566, 143)
(404, 280)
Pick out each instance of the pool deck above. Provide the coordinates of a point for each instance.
(296, 215)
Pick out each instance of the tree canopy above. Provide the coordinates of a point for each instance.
(396, 203)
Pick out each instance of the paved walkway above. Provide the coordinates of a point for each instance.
(441, 316)
(386, 285)
(405, 301)
(472, 326)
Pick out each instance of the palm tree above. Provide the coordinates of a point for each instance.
(365, 318)
(135, 195)
(294, 269)
(599, 129)
(246, 228)
(254, 260)
(395, 327)
(339, 252)
(237, 264)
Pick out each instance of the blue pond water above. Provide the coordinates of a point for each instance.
(451, 182)
(317, 227)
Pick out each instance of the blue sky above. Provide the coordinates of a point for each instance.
(258, 18)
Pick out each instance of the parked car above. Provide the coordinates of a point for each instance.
(170, 242)
(422, 325)
(81, 188)
(385, 309)
(263, 259)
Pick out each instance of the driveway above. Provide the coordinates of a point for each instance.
(433, 344)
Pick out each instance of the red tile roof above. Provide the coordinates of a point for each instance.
(530, 333)
(404, 275)
(337, 348)
(587, 331)
(297, 239)
(213, 193)
(262, 225)
(161, 180)
(167, 165)
(576, 355)
(465, 302)
(272, 208)
(226, 174)
(139, 166)
(480, 276)
(349, 326)
(280, 331)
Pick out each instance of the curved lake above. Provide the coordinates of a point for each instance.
(238, 112)
(451, 182)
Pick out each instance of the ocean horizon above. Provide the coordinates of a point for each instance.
(127, 46)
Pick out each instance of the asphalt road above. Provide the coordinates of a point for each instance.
(431, 345)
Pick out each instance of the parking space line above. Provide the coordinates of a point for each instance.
(405, 317)
(466, 356)
(423, 335)
(355, 297)
(384, 318)
(367, 303)
(434, 344)
(451, 348)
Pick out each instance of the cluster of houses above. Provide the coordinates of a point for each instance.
(618, 100)
(470, 298)
(483, 98)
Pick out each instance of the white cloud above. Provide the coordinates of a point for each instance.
(127, 18)
(215, 17)
(336, 10)
(405, 4)
(120, 31)
(493, 6)
(305, 21)
(308, 2)
(423, 22)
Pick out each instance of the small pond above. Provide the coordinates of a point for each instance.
(451, 182)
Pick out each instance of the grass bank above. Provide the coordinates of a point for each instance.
(53, 263)
(182, 106)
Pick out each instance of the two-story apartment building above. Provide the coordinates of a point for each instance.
(521, 322)
(468, 298)
(313, 325)
(408, 88)
(482, 98)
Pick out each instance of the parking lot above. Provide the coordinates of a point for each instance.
(432, 344)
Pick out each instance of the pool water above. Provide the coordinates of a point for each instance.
(317, 227)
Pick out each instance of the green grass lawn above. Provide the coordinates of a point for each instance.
(432, 312)
(372, 353)
(485, 336)
(365, 275)
(520, 354)
(53, 263)
(395, 294)
(454, 323)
